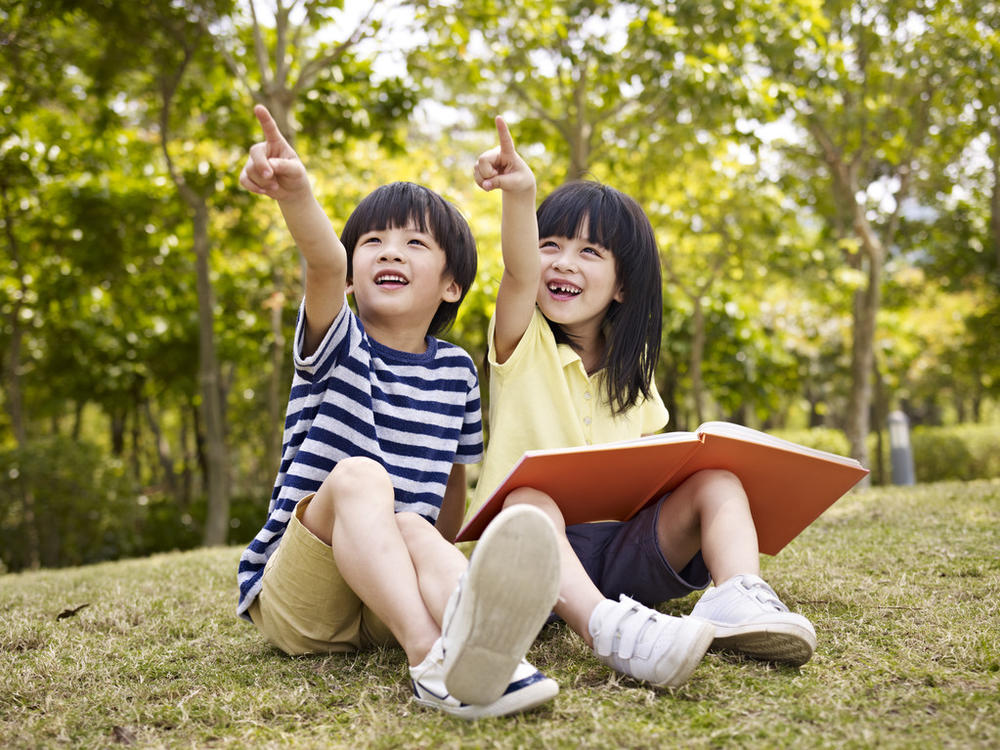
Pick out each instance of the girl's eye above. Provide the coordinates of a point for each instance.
(548, 245)
(590, 250)
(370, 240)
(417, 242)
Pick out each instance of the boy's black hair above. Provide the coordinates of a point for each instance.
(400, 203)
(632, 328)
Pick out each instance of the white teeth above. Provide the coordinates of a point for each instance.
(390, 277)
(559, 289)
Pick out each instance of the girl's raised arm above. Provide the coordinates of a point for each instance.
(502, 167)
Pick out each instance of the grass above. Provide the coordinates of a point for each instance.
(902, 585)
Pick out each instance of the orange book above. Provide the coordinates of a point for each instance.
(789, 485)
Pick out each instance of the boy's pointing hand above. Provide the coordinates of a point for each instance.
(502, 167)
(273, 168)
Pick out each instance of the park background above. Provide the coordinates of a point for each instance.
(822, 178)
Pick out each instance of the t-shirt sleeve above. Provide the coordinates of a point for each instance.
(470, 442)
(326, 353)
(653, 415)
(537, 327)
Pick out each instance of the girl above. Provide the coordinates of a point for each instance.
(572, 350)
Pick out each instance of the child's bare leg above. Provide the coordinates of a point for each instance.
(709, 512)
(438, 563)
(626, 635)
(353, 512)
(578, 596)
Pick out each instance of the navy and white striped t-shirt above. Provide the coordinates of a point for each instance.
(416, 414)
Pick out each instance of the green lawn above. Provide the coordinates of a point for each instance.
(902, 585)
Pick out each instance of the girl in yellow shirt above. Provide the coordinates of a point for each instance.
(573, 347)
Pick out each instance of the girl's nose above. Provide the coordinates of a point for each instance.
(564, 262)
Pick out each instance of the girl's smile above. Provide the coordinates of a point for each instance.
(579, 282)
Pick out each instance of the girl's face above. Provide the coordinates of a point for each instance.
(579, 281)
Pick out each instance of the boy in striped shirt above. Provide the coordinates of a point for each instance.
(382, 419)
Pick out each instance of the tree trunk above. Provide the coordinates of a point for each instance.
(162, 451)
(697, 357)
(276, 383)
(995, 200)
(13, 392)
(212, 412)
(865, 310)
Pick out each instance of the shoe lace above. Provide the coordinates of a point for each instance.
(627, 620)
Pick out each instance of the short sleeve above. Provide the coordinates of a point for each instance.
(470, 442)
(333, 340)
(653, 415)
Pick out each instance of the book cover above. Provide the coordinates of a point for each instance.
(788, 485)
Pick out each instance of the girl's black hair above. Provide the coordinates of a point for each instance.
(632, 328)
(401, 203)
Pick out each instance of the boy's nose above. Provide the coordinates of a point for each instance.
(391, 253)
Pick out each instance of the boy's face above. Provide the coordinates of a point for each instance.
(398, 278)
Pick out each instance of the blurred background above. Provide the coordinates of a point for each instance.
(823, 178)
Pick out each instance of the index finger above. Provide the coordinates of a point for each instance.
(271, 133)
(506, 141)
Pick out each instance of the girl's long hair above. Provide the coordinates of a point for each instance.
(632, 328)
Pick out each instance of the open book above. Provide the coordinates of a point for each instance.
(789, 485)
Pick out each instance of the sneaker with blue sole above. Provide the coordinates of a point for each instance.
(527, 689)
(502, 601)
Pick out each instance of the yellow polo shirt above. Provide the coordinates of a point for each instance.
(542, 397)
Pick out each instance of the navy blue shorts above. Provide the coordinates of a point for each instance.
(623, 557)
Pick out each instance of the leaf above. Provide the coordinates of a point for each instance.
(71, 612)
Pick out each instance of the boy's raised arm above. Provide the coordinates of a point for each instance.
(502, 167)
(275, 170)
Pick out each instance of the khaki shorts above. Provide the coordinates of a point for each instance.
(305, 606)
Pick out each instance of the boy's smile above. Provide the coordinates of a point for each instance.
(398, 281)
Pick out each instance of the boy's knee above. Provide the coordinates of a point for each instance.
(356, 477)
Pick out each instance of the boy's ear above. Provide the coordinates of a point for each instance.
(349, 289)
(452, 291)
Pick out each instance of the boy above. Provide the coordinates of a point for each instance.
(381, 420)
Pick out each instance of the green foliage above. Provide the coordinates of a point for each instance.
(83, 503)
(960, 452)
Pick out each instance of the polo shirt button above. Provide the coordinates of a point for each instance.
(586, 420)
(586, 395)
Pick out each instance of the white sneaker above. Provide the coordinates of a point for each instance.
(648, 645)
(528, 688)
(750, 618)
(501, 603)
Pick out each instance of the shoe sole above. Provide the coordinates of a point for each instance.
(521, 700)
(510, 587)
(786, 643)
(699, 636)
